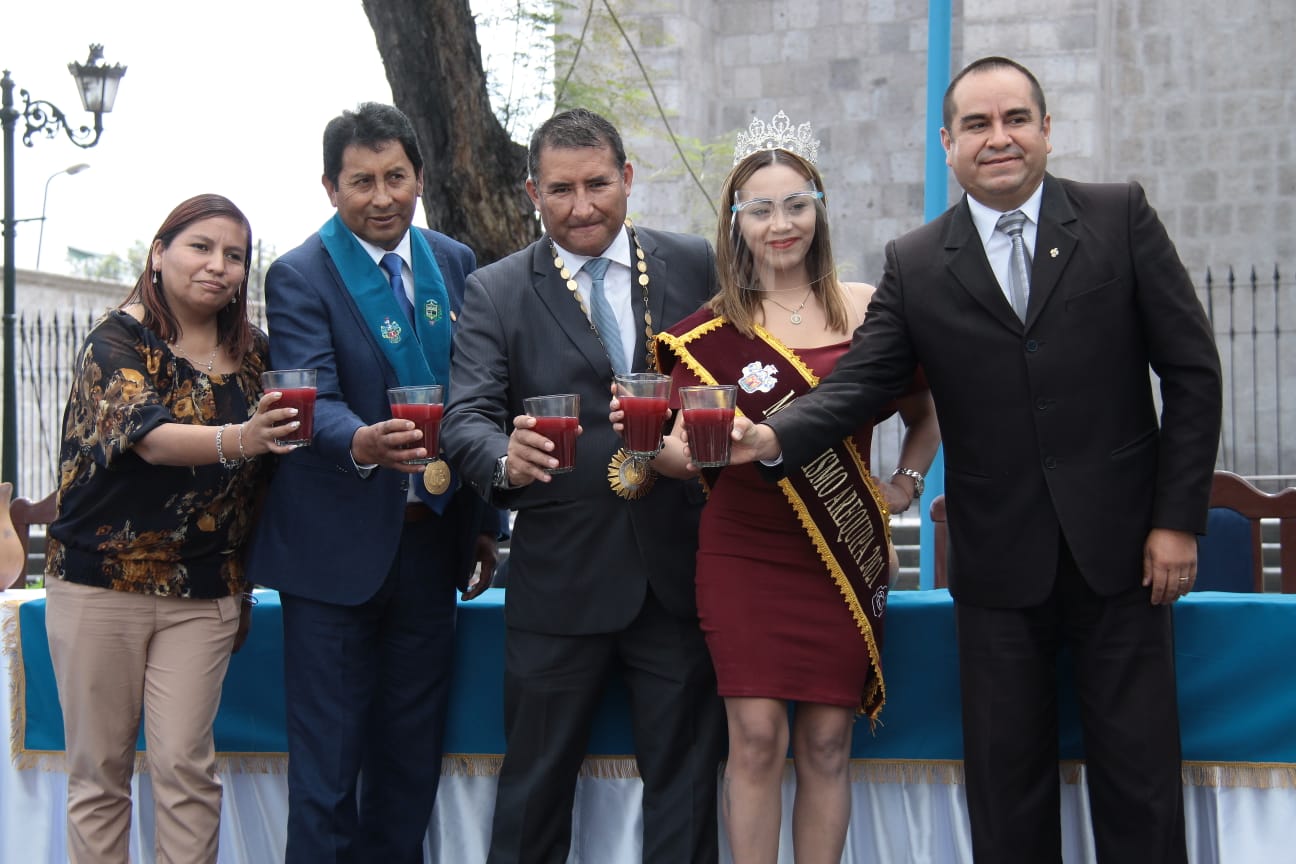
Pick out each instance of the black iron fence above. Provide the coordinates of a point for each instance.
(1253, 317)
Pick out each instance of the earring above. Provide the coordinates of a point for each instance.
(234, 300)
(157, 279)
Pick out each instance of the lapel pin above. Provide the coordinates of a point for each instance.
(1053, 253)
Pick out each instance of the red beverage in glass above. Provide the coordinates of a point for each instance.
(643, 421)
(427, 418)
(562, 432)
(708, 435)
(303, 399)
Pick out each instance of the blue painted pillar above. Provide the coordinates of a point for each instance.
(935, 196)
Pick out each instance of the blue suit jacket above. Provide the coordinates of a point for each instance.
(325, 532)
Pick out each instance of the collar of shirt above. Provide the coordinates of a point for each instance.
(404, 250)
(996, 243)
(616, 282)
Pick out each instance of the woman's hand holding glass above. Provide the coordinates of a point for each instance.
(257, 435)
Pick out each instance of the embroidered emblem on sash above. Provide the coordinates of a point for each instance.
(390, 330)
(758, 378)
(879, 600)
(432, 311)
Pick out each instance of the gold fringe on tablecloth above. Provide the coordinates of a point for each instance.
(11, 654)
(488, 765)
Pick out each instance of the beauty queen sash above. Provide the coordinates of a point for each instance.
(420, 355)
(833, 495)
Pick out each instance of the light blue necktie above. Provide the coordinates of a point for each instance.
(605, 320)
(1019, 261)
(391, 262)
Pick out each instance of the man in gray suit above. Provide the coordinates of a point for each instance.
(1072, 511)
(601, 569)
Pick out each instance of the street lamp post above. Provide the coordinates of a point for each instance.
(97, 83)
(71, 169)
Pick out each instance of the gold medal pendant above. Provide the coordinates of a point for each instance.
(630, 476)
(436, 477)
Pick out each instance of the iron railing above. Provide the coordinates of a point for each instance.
(1253, 318)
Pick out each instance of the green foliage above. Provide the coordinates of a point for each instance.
(594, 70)
(517, 52)
(112, 267)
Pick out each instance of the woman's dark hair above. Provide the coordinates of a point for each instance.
(232, 327)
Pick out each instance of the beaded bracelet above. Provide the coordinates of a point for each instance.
(229, 464)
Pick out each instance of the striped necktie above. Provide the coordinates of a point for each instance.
(1019, 261)
(605, 320)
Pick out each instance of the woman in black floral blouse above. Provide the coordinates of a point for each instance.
(158, 483)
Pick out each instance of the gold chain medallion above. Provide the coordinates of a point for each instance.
(436, 477)
(630, 476)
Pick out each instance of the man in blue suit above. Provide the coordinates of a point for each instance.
(365, 558)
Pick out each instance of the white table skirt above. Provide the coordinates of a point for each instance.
(891, 822)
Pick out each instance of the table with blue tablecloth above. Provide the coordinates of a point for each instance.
(1238, 728)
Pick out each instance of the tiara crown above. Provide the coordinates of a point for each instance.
(778, 135)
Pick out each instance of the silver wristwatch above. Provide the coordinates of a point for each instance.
(500, 478)
(916, 476)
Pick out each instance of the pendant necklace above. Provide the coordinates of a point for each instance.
(211, 361)
(796, 313)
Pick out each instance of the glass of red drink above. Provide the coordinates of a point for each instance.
(556, 418)
(708, 420)
(298, 389)
(423, 405)
(643, 397)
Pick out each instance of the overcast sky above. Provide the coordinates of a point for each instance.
(228, 97)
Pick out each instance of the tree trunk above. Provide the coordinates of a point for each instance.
(473, 174)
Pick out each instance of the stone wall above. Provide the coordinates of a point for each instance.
(1192, 99)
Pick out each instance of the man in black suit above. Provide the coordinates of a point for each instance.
(598, 578)
(1072, 513)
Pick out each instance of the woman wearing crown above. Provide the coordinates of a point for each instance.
(791, 578)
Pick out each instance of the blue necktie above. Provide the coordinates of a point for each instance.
(391, 262)
(605, 320)
(1019, 261)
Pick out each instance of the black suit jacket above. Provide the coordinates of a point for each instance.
(581, 558)
(1052, 424)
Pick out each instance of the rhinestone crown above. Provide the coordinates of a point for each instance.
(778, 135)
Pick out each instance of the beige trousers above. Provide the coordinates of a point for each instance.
(116, 652)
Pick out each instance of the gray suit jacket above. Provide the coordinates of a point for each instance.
(581, 557)
(1049, 427)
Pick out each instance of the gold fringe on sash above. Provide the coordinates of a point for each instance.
(874, 697)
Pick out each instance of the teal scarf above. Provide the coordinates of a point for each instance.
(418, 358)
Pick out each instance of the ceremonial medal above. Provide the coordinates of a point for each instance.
(436, 477)
(630, 476)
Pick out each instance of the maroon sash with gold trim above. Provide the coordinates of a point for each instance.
(833, 495)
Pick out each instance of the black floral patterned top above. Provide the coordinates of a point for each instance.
(131, 526)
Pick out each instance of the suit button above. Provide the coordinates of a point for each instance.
(1042, 404)
(1050, 463)
(1031, 346)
